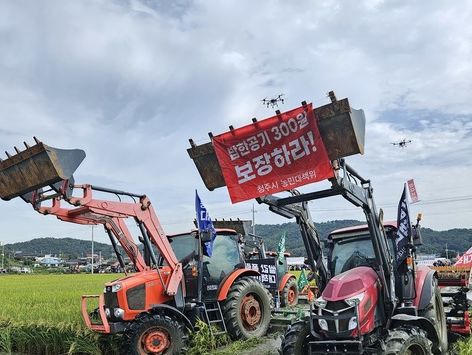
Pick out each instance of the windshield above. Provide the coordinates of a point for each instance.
(225, 257)
(225, 252)
(350, 253)
(183, 245)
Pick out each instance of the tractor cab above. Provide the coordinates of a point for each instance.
(352, 247)
(225, 259)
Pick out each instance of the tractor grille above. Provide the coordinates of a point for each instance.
(111, 300)
(342, 312)
(136, 297)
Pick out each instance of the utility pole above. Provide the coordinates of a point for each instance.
(3, 254)
(253, 220)
(92, 249)
(447, 253)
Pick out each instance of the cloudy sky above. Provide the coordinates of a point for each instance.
(130, 81)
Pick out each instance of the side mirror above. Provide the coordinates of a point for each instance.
(205, 236)
(416, 235)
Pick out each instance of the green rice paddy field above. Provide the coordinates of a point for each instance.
(40, 314)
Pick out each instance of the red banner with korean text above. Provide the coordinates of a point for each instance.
(276, 154)
(412, 190)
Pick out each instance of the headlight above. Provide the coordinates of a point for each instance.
(119, 313)
(352, 323)
(352, 301)
(323, 324)
(320, 302)
(115, 287)
(107, 312)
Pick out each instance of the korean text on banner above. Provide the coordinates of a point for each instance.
(412, 190)
(276, 154)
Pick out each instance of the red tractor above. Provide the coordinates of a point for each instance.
(174, 283)
(368, 304)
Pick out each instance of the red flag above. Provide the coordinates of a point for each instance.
(273, 155)
(465, 260)
(412, 190)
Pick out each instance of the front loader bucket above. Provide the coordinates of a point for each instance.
(342, 130)
(36, 167)
(241, 227)
(207, 165)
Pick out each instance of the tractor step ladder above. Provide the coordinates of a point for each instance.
(214, 316)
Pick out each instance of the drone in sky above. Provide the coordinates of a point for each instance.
(402, 144)
(273, 102)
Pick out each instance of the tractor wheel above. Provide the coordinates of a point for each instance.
(407, 340)
(435, 313)
(289, 293)
(247, 309)
(296, 339)
(155, 334)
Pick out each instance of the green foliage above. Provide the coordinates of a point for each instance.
(237, 346)
(203, 342)
(67, 247)
(463, 347)
(293, 241)
(458, 240)
(40, 314)
(434, 242)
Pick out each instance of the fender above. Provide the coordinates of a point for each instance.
(284, 280)
(420, 322)
(228, 281)
(424, 287)
(172, 311)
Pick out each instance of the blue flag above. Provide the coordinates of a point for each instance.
(204, 224)
(403, 229)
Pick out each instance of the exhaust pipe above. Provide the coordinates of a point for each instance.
(37, 167)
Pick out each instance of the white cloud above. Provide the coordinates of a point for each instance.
(131, 81)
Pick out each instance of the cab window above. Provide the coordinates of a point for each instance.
(224, 258)
(350, 253)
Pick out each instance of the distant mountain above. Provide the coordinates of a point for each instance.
(293, 241)
(66, 247)
(457, 240)
(434, 242)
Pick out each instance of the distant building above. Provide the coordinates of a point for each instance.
(51, 261)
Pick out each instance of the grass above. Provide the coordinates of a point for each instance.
(40, 314)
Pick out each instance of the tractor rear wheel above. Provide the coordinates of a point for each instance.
(435, 313)
(296, 339)
(155, 334)
(247, 309)
(407, 340)
(289, 293)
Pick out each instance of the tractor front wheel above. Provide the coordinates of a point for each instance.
(296, 339)
(154, 334)
(407, 340)
(289, 293)
(247, 309)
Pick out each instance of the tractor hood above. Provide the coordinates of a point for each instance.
(350, 283)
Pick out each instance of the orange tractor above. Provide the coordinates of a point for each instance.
(174, 284)
(283, 286)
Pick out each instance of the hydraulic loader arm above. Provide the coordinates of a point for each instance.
(308, 231)
(112, 215)
(357, 190)
(43, 173)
